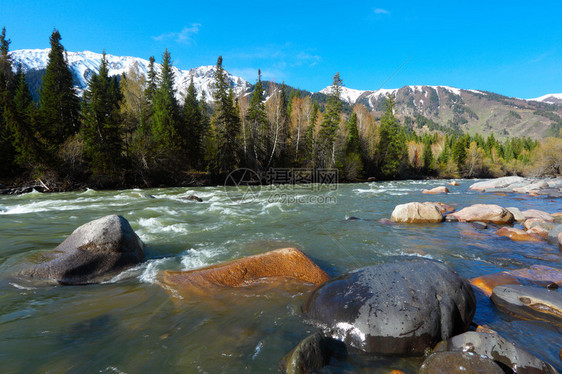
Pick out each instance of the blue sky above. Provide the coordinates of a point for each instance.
(509, 47)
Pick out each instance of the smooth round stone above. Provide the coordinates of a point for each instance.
(397, 308)
(459, 363)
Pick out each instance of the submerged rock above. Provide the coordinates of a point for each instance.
(311, 354)
(417, 213)
(479, 225)
(436, 190)
(192, 198)
(529, 302)
(517, 234)
(487, 283)
(498, 349)
(484, 212)
(459, 363)
(93, 253)
(280, 263)
(397, 308)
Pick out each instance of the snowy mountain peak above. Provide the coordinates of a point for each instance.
(549, 98)
(85, 63)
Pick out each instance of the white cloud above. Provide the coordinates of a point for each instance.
(381, 11)
(185, 36)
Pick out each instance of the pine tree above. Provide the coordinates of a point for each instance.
(59, 105)
(427, 156)
(21, 119)
(6, 94)
(310, 141)
(330, 123)
(353, 165)
(194, 127)
(165, 115)
(391, 148)
(101, 125)
(151, 80)
(226, 122)
(259, 126)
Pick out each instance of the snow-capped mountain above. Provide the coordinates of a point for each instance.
(371, 98)
(84, 64)
(549, 98)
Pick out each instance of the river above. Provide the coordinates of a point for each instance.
(132, 325)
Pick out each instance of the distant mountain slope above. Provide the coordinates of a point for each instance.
(467, 110)
(438, 108)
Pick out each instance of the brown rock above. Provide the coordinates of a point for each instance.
(445, 208)
(517, 235)
(538, 231)
(556, 216)
(436, 190)
(485, 328)
(280, 263)
(539, 273)
(417, 213)
(486, 283)
(453, 183)
(459, 363)
(534, 213)
(484, 212)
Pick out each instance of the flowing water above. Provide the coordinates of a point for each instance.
(132, 325)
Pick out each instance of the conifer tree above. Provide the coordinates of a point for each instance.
(101, 124)
(226, 122)
(151, 80)
(165, 114)
(353, 166)
(59, 105)
(427, 156)
(310, 141)
(194, 127)
(391, 147)
(21, 120)
(259, 127)
(330, 123)
(6, 93)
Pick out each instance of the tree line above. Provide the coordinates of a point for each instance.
(132, 130)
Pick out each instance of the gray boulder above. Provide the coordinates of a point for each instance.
(93, 253)
(498, 349)
(397, 308)
(529, 302)
(311, 354)
(553, 234)
(519, 217)
(496, 183)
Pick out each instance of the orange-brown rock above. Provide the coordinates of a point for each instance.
(534, 213)
(486, 283)
(280, 263)
(485, 328)
(536, 274)
(517, 234)
(453, 183)
(538, 231)
(445, 208)
(436, 190)
(484, 212)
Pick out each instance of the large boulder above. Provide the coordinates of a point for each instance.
(280, 263)
(531, 187)
(496, 348)
(533, 222)
(398, 308)
(417, 213)
(517, 234)
(436, 190)
(496, 183)
(459, 363)
(484, 212)
(529, 302)
(93, 253)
